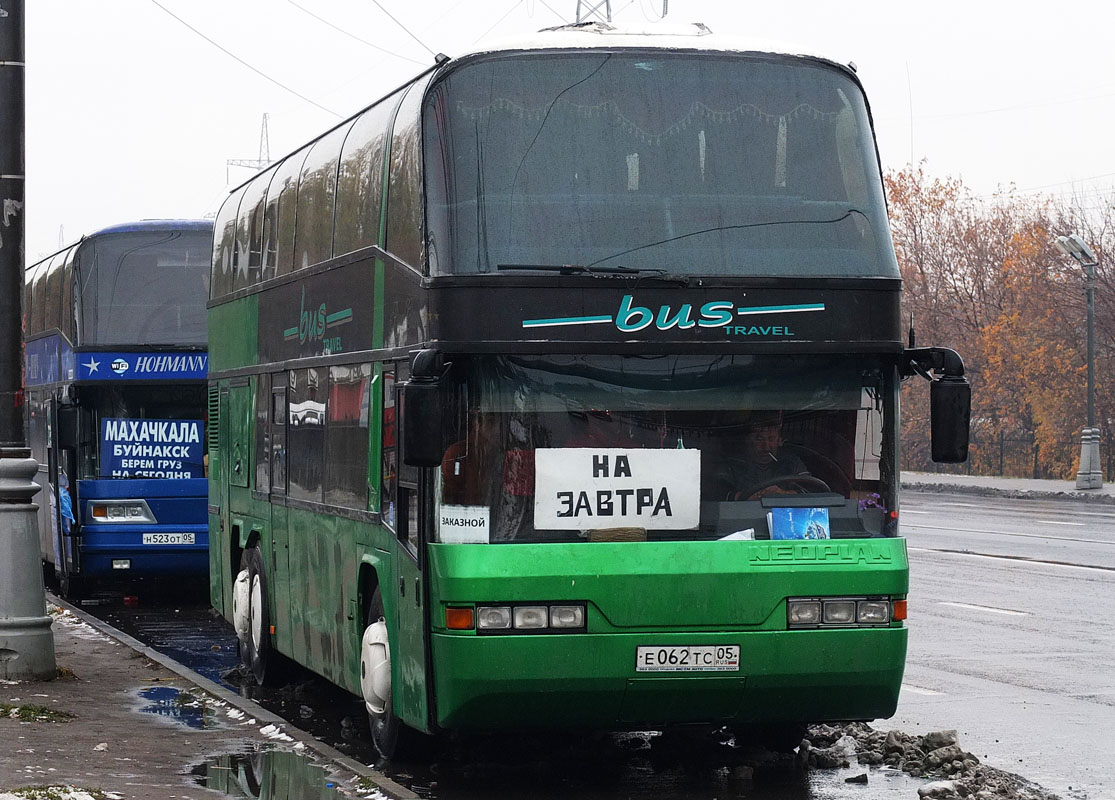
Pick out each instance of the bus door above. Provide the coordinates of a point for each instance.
(412, 521)
(63, 441)
(219, 517)
(279, 559)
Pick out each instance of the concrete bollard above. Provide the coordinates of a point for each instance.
(26, 641)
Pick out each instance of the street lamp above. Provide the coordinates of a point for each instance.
(1089, 476)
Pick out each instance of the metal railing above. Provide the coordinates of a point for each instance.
(1010, 456)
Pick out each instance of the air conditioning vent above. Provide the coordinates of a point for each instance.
(214, 422)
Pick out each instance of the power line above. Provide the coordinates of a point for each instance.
(351, 35)
(404, 27)
(230, 54)
(495, 24)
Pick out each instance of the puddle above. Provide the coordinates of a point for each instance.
(181, 706)
(267, 774)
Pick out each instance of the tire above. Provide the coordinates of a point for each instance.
(72, 587)
(255, 650)
(780, 738)
(391, 737)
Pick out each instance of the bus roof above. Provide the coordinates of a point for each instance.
(691, 36)
(599, 35)
(140, 226)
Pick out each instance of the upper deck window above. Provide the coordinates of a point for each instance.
(144, 288)
(699, 163)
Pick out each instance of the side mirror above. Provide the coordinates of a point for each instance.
(68, 426)
(422, 408)
(950, 412)
(421, 422)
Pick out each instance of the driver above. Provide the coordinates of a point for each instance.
(763, 459)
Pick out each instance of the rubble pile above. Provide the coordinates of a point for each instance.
(955, 773)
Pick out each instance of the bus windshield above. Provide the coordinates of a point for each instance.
(686, 162)
(144, 288)
(608, 447)
(136, 431)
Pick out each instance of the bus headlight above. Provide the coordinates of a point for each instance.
(804, 612)
(521, 618)
(120, 511)
(873, 612)
(839, 612)
(843, 612)
(493, 618)
(531, 617)
(567, 616)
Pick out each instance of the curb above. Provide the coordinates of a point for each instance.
(330, 754)
(1014, 494)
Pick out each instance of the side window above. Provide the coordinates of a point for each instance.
(224, 250)
(68, 314)
(390, 449)
(404, 208)
(279, 217)
(317, 189)
(263, 434)
(278, 433)
(306, 433)
(407, 524)
(346, 436)
(360, 180)
(249, 231)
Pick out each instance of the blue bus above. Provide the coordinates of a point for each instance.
(115, 370)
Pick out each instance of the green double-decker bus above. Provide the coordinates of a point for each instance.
(559, 389)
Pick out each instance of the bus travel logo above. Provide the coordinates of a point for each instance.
(314, 324)
(724, 314)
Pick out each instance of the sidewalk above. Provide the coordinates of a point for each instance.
(1022, 488)
(129, 723)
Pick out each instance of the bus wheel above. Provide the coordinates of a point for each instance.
(392, 738)
(241, 598)
(256, 650)
(781, 738)
(71, 586)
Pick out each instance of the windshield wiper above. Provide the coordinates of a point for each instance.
(570, 269)
(580, 269)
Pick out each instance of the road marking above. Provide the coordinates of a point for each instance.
(906, 511)
(951, 529)
(919, 690)
(988, 609)
(1058, 522)
(1017, 559)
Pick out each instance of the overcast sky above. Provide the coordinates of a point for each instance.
(134, 107)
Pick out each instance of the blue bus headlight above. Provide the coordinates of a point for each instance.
(120, 511)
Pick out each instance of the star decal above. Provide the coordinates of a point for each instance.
(92, 365)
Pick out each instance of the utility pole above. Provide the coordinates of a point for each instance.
(26, 642)
(264, 159)
(591, 8)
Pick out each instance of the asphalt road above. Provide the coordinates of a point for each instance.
(1012, 634)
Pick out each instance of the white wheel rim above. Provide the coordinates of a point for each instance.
(256, 612)
(375, 667)
(241, 615)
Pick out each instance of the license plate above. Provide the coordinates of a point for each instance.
(689, 658)
(168, 538)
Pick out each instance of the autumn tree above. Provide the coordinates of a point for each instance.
(984, 278)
